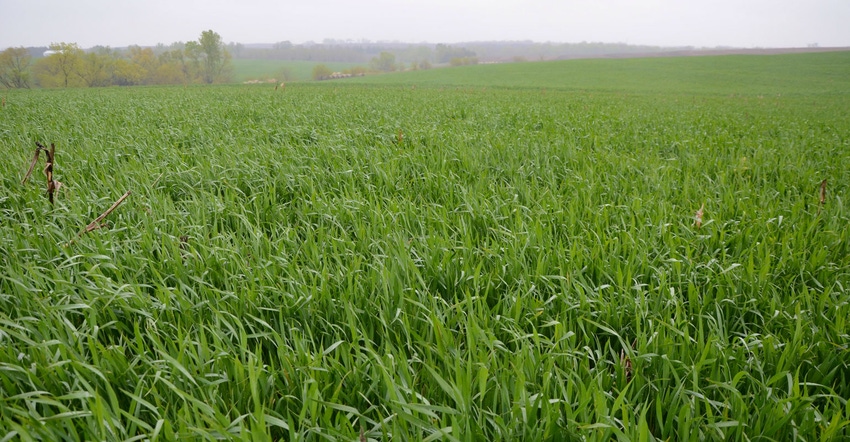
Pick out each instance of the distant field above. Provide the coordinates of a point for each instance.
(245, 70)
(600, 250)
(801, 74)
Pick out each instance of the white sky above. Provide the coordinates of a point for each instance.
(700, 23)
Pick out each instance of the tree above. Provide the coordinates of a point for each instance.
(172, 68)
(446, 53)
(59, 69)
(193, 57)
(321, 72)
(14, 68)
(66, 57)
(461, 61)
(384, 62)
(125, 73)
(357, 71)
(146, 63)
(213, 57)
(95, 68)
(235, 49)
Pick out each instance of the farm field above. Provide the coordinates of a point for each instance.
(245, 70)
(538, 251)
(796, 74)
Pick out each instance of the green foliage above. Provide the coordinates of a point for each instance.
(429, 263)
(214, 59)
(463, 61)
(357, 71)
(321, 72)
(767, 75)
(95, 69)
(244, 70)
(14, 68)
(62, 67)
(385, 62)
(202, 61)
(445, 53)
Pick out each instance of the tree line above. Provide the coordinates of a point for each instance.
(437, 54)
(205, 60)
(386, 62)
(208, 60)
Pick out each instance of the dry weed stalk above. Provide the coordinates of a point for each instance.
(400, 136)
(52, 185)
(157, 180)
(822, 196)
(626, 363)
(96, 224)
(698, 216)
(48, 170)
(32, 164)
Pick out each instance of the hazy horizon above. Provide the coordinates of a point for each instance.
(667, 23)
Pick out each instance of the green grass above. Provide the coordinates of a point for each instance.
(245, 70)
(798, 74)
(287, 268)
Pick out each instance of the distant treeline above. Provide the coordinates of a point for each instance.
(493, 51)
(518, 50)
(67, 65)
(207, 60)
(349, 52)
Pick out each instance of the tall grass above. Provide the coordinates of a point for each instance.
(520, 265)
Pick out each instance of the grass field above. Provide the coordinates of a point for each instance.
(797, 74)
(245, 70)
(498, 253)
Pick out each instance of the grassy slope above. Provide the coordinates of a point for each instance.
(819, 73)
(262, 69)
(286, 267)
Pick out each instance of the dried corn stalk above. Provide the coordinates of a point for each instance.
(32, 164)
(48, 171)
(52, 185)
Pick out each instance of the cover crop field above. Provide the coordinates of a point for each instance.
(419, 260)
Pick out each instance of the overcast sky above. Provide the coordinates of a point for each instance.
(700, 23)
